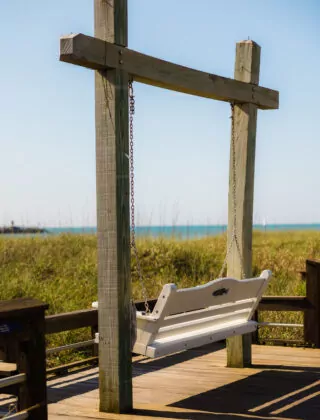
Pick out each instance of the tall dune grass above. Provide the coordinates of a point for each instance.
(62, 270)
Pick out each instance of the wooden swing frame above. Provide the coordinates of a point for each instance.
(116, 65)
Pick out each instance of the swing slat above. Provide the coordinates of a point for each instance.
(188, 318)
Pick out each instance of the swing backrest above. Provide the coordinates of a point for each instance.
(227, 300)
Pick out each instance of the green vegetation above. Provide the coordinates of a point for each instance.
(62, 271)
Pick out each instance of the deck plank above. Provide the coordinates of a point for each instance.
(284, 383)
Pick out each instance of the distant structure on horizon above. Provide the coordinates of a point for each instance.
(20, 230)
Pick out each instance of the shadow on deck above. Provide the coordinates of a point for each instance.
(284, 383)
(268, 393)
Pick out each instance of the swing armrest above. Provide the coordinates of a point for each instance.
(139, 314)
(150, 318)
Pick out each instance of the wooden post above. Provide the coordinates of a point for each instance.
(22, 323)
(255, 334)
(32, 361)
(247, 66)
(312, 316)
(113, 228)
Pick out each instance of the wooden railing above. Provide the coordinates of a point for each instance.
(309, 305)
(71, 321)
(89, 318)
(23, 328)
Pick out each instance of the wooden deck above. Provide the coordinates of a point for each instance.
(284, 383)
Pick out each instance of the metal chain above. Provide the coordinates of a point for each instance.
(132, 204)
(234, 237)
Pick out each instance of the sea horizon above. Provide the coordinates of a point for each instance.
(174, 231)
(186, 231)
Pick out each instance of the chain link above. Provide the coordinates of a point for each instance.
(132, 203)
(234, 237)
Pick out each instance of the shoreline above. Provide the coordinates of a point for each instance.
(17, 230)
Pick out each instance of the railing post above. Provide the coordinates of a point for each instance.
(22, 328)
(312, 315)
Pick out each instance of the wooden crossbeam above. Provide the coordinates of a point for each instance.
(97, 54)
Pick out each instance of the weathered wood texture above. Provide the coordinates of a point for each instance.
(244, 121)
(20, 307)
(13, 380)
(183, 387)
(32, 361)
(7, 369)
(23, 328)
(113, 227)
(71, 320)
(312, 316)
(64, 369)
(284, 303)
(96, 54)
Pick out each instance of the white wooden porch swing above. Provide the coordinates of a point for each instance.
(186, 318)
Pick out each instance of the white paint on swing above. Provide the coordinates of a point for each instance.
(188, 318)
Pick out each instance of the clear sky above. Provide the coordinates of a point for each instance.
(47, 167)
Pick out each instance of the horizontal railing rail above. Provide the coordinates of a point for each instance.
(284, 303)
(79, 345)
(279, 324)
(71, 321)
(89, 317)
(13, 380)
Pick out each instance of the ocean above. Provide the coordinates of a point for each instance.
(187, 232)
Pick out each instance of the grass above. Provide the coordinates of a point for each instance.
(62, 271)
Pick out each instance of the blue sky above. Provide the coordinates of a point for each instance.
(47, 168)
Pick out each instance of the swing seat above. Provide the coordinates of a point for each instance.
(186, 318)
